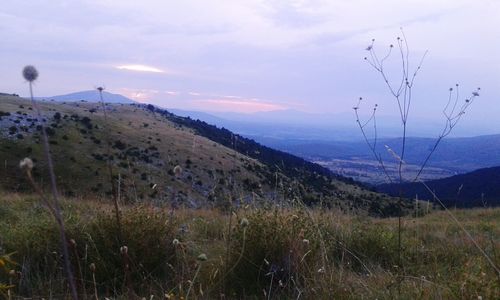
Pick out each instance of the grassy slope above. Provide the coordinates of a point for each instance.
(79, 172)
(345, 257)
(146, 147)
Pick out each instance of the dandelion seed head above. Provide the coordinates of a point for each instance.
(175, 242)
(26, 164)
(30, 73)
(305, 241)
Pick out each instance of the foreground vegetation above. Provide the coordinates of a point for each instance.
(247, 253)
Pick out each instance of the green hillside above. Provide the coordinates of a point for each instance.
(147, 143)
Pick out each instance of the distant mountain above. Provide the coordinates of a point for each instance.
(475, 189)
(91, 96)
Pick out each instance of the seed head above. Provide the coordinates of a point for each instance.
(305, 241)
(202, 257)
(92, 267)
(178, 170)
(244, 223)
(175, 242)
(26, 164)
(72, 243)
(123, 249)
(30, 73)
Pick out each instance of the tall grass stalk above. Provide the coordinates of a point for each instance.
(110, 168)
(31, 74)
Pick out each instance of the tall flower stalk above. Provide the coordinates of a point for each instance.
(30, 73)
(110, 167)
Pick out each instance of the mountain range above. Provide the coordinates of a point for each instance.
(90, 96)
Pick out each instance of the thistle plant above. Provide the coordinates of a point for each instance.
(30, 73)
(201, 258)
(401, 90)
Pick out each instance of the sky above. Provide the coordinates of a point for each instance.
(253, 55)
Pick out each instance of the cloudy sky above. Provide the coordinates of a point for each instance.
(253, 55)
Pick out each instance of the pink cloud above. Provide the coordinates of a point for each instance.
(242, 106)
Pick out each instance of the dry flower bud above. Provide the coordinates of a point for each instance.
(26, 164)
(178, 170)
(30, 73)
(202, 257)
(244, 222)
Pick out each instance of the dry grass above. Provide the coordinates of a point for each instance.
(294, 253)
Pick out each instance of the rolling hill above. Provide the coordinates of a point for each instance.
(147, 142)
(480, 188)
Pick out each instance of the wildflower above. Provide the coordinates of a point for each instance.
(175, 242)
(244, 222)
(123, 249)
(30, 73)
(202, 257)
(305, 241)
(92, 267)
(26, 164)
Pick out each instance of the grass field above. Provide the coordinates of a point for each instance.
(251, 253)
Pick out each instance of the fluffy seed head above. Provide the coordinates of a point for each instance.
(123, 249)
(175, 242)
(92, 267)
(30, 73)
(202, 257)
(26, 164)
